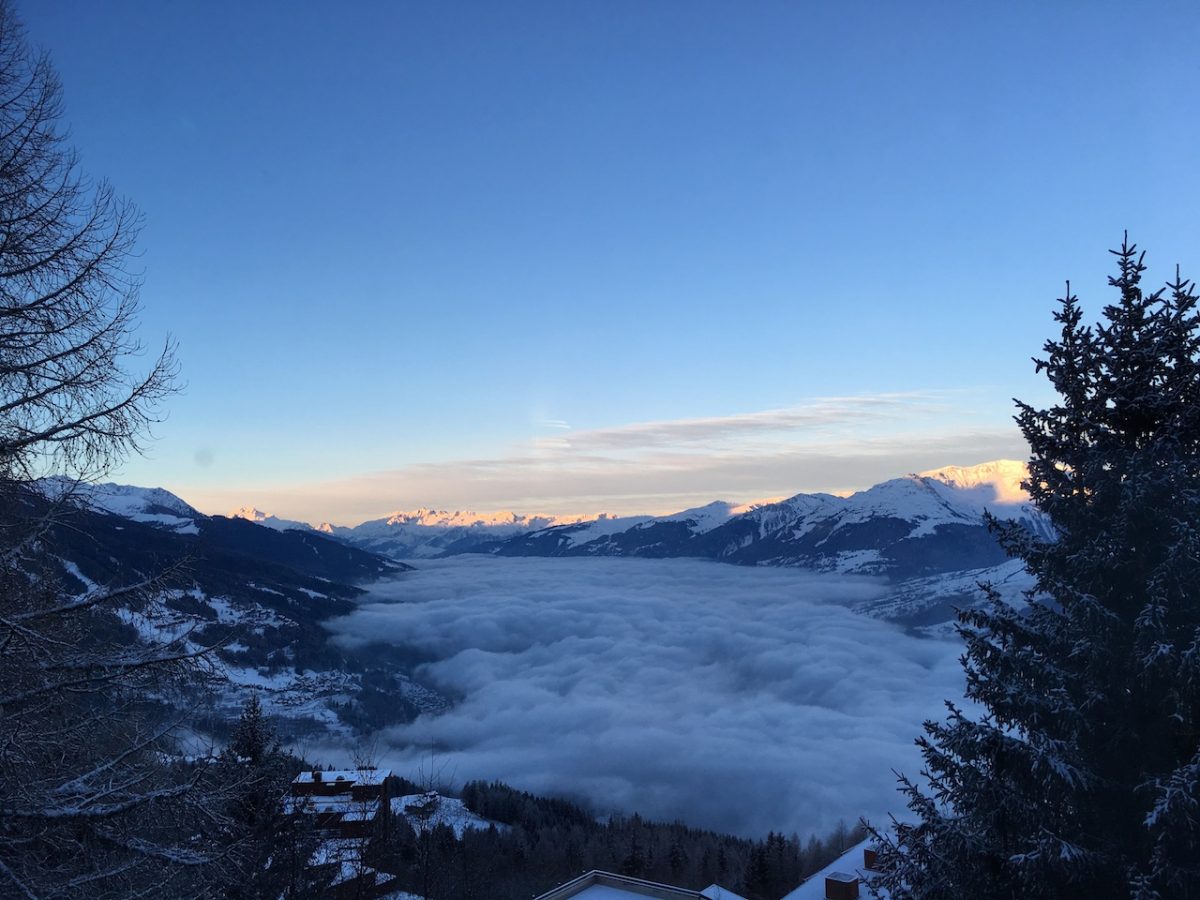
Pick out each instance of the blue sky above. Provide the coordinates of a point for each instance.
(473, 254)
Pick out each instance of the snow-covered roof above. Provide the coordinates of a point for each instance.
(597, 885)
(849, 863)
(349, 810)
(349, 776)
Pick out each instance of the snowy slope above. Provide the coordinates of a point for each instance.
(996, 482)
(928, 604)
(705, 518)
(429, 810)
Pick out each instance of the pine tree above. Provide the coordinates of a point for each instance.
(1081, 775)
(261, 768)
(271, 847)
(254, 740)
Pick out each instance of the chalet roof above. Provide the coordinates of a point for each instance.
(597, 885)
(848, 865)
(349, 809)
(349, 776)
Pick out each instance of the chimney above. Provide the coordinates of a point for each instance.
(870, 859)
(840, 886)
(316, 774)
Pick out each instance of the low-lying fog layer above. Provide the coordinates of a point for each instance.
(733, 698)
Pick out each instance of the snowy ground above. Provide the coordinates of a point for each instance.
(742, 699)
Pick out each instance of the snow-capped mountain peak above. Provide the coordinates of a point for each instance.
(153, 506)
(951, 495)
(1001, 478)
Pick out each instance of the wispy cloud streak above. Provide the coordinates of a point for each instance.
(822, 413)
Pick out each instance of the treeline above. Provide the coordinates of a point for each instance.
(542, 842)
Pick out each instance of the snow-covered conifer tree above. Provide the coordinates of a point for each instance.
(1080, 774)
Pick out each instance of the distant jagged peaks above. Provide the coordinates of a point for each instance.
(418, 532)
(441, 518)
(258, 517)
(992, 485)
(427, 532)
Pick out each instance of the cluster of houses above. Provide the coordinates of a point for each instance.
(347, 808)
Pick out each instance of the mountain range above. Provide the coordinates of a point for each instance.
(926, 534)
(917, 525)
(929, 525)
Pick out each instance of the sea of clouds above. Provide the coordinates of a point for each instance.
(740, 699)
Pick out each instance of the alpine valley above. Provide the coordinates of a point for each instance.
(260, 587)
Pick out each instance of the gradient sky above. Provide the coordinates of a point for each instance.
(572, 256)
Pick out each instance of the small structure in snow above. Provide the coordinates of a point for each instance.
(840, 886)
(422, 804)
